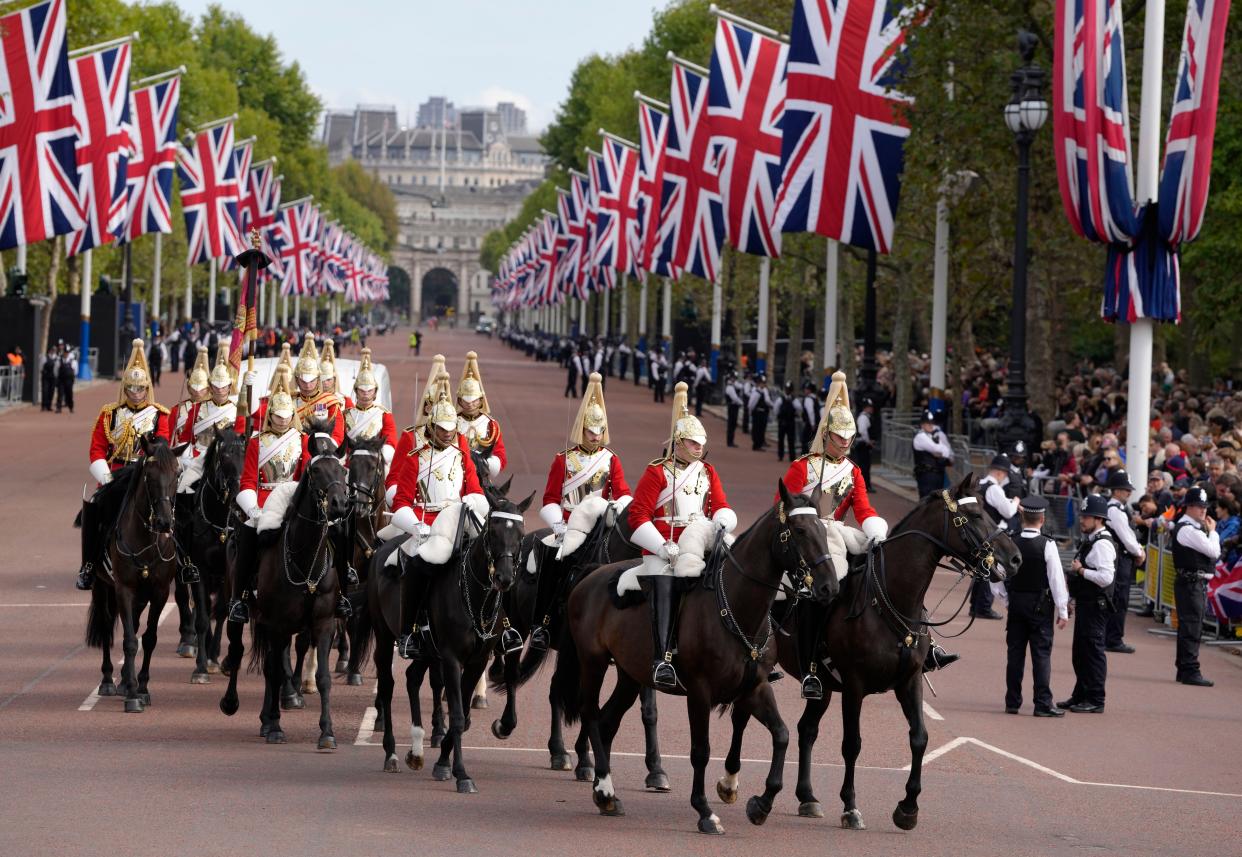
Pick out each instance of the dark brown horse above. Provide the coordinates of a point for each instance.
(366, 491)
(724, 648)
(877, 637)
(141, 566)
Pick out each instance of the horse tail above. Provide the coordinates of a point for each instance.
(567, 680)
(532, 661)
(101, 619)
(365, 631)
(260, 643)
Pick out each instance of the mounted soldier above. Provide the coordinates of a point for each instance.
(116, 443)
(312, 403)
(364, 417)
(258, 408)
(196, 384)
(410, 437)
(475, 420)
(675, 491)
(328, 377)
(217, 410)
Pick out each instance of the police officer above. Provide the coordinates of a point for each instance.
(1004, 511)
(733, 399)
(1017, 470)
(864, 442)
(1033, 595)
(786, 423)
(1196, 547)
(1091, 587)
(932, 455)
(759, 405)
(810, 416)
(1130, 555)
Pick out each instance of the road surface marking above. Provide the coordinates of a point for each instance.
(50, 604)
(93, 696)
(367, 727)
(931, 712)
(28, 686)
(1065, 778)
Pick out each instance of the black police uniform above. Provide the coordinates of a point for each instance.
(1190, 595)
(929, 468)
(1093, 603)
(1123, 579)
(981, 590)
(1029, 622)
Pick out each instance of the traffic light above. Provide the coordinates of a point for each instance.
(17, 282)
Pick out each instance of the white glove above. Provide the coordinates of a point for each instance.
(405, 519)
(254, 512)
(559, 528)
(670, 551)
(493, 466)
(390, 495)
(101, 471)
(248, 502)
(250, 379)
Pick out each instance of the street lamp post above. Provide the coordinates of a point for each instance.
(1025, 115)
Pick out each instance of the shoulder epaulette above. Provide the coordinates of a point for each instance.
(160, 408)
(410, 428)
(658, 461)
(108, 408)
(808, 456)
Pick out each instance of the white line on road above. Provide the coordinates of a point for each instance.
(931, 712)
(367, 727)
(50, 604)
(93, 696)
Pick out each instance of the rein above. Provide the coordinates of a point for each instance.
(312, 577)
(467, 577)
(123, 548)
(375, 494)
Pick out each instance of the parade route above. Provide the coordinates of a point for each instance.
(1156, 774)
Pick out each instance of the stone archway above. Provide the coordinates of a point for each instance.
(440, 289)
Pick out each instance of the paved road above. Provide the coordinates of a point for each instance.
(1156, 774)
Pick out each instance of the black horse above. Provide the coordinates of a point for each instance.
(463, 609)
(140, 565)
(366, 491)
(876, 638)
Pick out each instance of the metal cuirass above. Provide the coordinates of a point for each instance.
(127, 425)
(478, 432)
(836, 478)
(690, 498)
(439, 477)
(281, 466)
(371, 426)
(576, 462)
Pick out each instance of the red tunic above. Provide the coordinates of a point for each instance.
(614, 488)
(404, 446)
(643, 507)
(101, 442)
(250, 471)
(189, 411)
(388, 428)
(795, 480)
(335, 413)
(409, 493)
(256, 424)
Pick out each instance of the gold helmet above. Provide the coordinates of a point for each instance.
(686, 426)
(308, 361)
(137, 373)
(280, 403)
(222, 373)
(443, 414)
(365, 379)
(429, 391)
(837, 417)
(199, 374)
(591, 414)
(471, 387)
(327, 360)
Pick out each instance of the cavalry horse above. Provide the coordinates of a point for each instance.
(725, 612)
(366, 492)
(536, 607)
(140, 566)
(876, 639)
(463, 609)
(296, 593)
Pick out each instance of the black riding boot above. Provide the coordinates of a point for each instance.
(663, 603)
(938, 658)
(244, 572)
(414, 586)
(187, 572)
(809, 634)
(90, 545)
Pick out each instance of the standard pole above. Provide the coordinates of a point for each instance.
(624, 324)
(717, 311)
(211, 292)
(668, 316)
(1015, 395)
(940, 294)
(831, 299)
(84, 368)
(284, 310)
(868, 369)
(1138, 409)
(607, 325)
(189, 293)
(642, 310)
(582, 316)
(761, 335)
(156, 277)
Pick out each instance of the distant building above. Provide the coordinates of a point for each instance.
(512, 118)
(436, 112)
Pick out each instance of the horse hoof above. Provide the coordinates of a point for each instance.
(390, 765)
(200, 678)
(725, 793)
(560, 762)
(441, 773)
(264, 729)
(308, 687)
(499, 730)
(327, 742)
(414, 763)
(711, 824)
(810, 809)
(276, 736)
(657, 781)
(342, 666)
(213, 667)
(852, 820)
(145, 697)
(609, 805)
(134, 705)
(354, 680)
(185, 650)
(478, 703)
(584, 774)
(755, 813)
(905, 820)
(107, 688)
(292, 703)
(228, 706)
(467, 787)
(436, 739)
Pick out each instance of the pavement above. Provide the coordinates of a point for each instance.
(1157, 774)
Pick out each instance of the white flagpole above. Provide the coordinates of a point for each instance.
(831, 300)
(761, 335)
(668, 313)
(156, 277)
(84, 368)
(284, 310)
(717, 312)
(607, 325)
(211, 291)
(189, 293)
(940, 295)
(624, 323)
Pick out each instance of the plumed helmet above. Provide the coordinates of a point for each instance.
(199, 374)
(470, 388)
(280, 403)
(837, 416)
(429, 391)
(443, 414)
(365, 379)
(686, 426)
(327, 360)
(308, 361)
(137, 373)
(221, 374)
(591, 413)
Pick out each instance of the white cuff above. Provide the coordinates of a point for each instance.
(876, 528)
(648, 538)
(101, 471)
(390, 495)
(726, 518)
(621, 504)
(477, 503)
(387, 451)
(247, 500)
(552, 514)
(405, 519)
(493, 466)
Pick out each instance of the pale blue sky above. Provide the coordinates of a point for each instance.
(476, 52)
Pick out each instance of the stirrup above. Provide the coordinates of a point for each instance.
(510, 641)
(86, 577)
(938, 658)
(540, 639)
(351, 575)
(812, 687)
(239, 612)
(344, 607)
(408, 646)
(663, 675)
(188, 574)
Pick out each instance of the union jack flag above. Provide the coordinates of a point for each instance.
(580, 232)
(149, 173)
(38, 162)
(263, 201)
(1224, 592)
(334, 243)
(655, 248)
(209, 195)
(842, 145)
(243, 155)
(616, 244)
(745, 103)
(297, 227)
(567, 245)
(101, 112)
(600, 276)
(545, 272)
(692, 216)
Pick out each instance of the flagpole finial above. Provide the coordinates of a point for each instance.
(254, 238)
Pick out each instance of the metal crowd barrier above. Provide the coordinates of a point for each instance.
(897, 447)
(92, 360)
(11, 380)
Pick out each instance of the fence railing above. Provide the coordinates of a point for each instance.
(92, 360)
(11, 380)
(897, 432)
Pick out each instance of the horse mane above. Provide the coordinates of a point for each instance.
(800, 501)
(372, 444)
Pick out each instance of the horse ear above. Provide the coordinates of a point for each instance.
(503, 490)
(816, 495)
(784, 492)
(342, 451)
(177, 450)
(966, 487)
(525, 504)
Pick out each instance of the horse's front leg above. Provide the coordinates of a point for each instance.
(504, 727)
(699, 709)
(766, 712)
(149, 637)
(451, 673)
(657, 780)
(436, 674)
(274, 676)
(232, 665)
(127, 610)
(851, 746)
(323, 683)
(187, 645)
(726, 786)
(808, 732)
(202, 631)
(383, 700)
(342, 647)
(910, 695)
(556, 741)
(413, 685)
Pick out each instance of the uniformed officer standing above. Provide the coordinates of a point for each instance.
(759, 405)
(932, 455)
(786, 423)
(1091, 586)
(1003, 510)
(1130, 555)
(733, 399)
(864, 442)
(1034, 595)
(1196, 547)
(810, 416)
(1017, 470)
